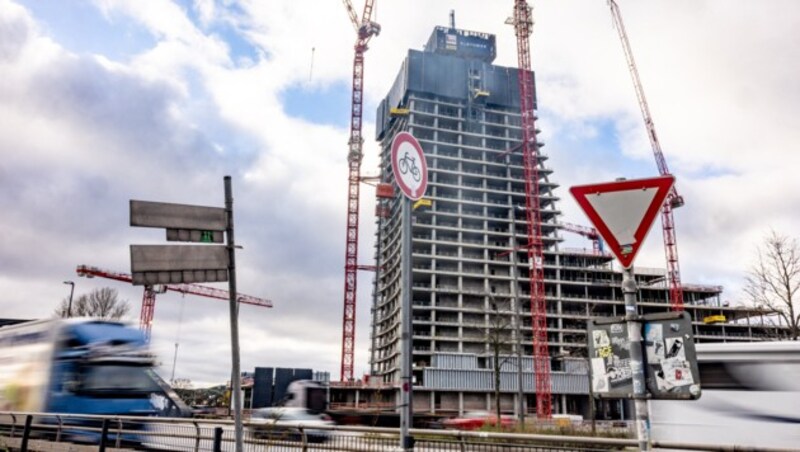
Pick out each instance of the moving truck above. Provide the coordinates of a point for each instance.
(76, 366)
(751, 398)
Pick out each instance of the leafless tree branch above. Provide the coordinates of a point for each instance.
(774, 279)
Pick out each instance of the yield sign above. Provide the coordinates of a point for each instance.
(623, 211)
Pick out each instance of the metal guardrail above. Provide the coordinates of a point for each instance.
(52, 431)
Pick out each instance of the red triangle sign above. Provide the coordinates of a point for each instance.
(623, 211)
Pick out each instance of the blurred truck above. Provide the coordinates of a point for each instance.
(751, 399)
(76, 366)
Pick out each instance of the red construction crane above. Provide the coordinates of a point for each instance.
(523, 25)
(674, 200)
(149, 298)
(585, 231)
(365, 30)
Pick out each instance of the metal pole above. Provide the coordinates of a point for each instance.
(236, 386)
(217, 439)
(103, 434)
(406, 397)
(592, 413)
(514, 284)
(641, 415)
(26, 434)
(71, 291)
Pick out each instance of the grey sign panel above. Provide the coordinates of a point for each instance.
(194, 235)
(177, 216)
(179, 277)
(161, 264)
(670, 358)
(610, 359)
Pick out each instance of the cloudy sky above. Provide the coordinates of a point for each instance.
(103, 101)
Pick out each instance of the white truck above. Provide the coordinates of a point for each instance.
(750, 398)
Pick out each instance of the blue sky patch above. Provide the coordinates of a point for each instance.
(226, 29)
(322, 105)
(238, 45)
(602, 150)
(76, 25)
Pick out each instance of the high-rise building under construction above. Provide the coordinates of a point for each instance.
(470, 276)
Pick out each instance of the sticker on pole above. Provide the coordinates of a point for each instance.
(409, 166)
(623, 211)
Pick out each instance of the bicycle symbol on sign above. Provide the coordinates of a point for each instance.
(408, 163)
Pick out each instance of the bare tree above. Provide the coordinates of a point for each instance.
(774, 279)
(498, 336)
(182, 383)
(104, 303)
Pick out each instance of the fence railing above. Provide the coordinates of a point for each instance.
(41, 431)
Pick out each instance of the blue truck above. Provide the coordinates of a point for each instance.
(77, 366)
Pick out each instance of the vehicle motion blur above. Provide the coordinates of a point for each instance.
(475, 420)
(286, 422)
(81, 366)
(751, 395)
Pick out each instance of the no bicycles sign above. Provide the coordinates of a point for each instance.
(409, 166)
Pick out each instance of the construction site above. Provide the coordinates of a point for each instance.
(492, 285)
(498, 304)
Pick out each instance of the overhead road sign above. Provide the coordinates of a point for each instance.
(184, 223)
(176, 264)
(409, 166)
(623, 211)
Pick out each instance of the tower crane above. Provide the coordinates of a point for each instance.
(589, 233)
(674, 200)
(523, 25)
(365, 29)
(150, 292)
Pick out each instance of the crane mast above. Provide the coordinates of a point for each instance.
(674, 200)
(523, 24)
(150, 292)
(365, 29)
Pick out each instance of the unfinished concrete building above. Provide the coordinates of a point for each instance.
(468, 283)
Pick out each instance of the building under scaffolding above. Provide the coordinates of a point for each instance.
(469, 285)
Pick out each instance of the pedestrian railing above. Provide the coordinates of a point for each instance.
(19, 431)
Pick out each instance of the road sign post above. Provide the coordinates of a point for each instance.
(629, 290)
(411, 174)
(236, 385)
(623, 213)
(165, 264)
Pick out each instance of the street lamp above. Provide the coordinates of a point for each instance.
(71, 291)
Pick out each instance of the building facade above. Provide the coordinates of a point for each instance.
(470, 295)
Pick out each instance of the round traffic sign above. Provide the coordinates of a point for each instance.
(409, 166)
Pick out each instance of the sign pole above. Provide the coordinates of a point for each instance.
(641, 415)
(406, 386)
(410, 171)
(236, 386)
